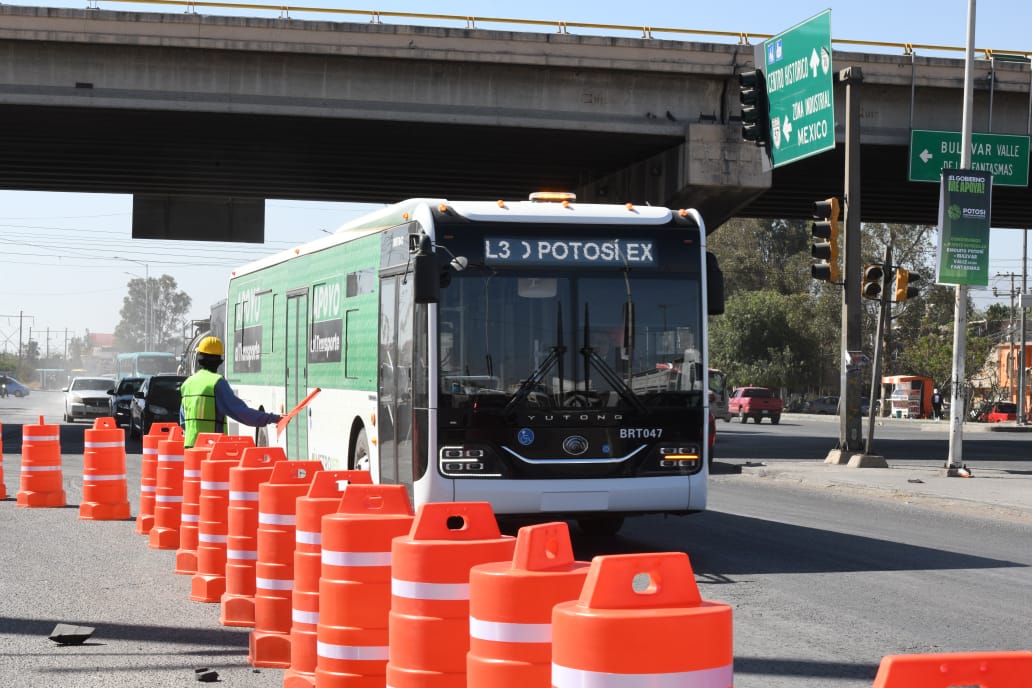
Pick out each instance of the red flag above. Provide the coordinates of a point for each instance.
(290, 416)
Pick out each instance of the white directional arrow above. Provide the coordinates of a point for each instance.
(786, 129)
(925, 156)
(815, 62)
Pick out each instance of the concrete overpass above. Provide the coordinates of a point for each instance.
(204, 117)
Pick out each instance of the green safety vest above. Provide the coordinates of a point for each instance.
(199, 412)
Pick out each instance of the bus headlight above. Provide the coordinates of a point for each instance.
(681, 459)
(468, 461)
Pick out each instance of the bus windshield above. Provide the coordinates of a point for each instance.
(618, 340)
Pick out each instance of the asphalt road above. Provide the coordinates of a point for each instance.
(822, 583)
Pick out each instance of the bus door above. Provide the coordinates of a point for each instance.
(297, 371)
(394, 413)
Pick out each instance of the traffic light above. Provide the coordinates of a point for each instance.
(827, 231)
(903, 289)
(752, 94)
(871, 288)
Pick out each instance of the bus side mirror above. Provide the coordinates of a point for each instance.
(425, 273)
(714, 286)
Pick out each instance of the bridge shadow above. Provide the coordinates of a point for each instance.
(769, 547)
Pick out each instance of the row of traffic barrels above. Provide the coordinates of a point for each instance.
(345, 585)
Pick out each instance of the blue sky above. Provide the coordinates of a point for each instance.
(72, 240)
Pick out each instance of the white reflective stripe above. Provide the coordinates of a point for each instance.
(102, 445)
(429, 591)
(208, 485)
(149, 450)
(172, 458)
(89, 478)
(334, 558)
(190, 518)
(719, 677)
(277, 519)
(169, 498)
(191, 474)
(299, 616)
(55, 467)
(244, 554)
(274, 584)
(148, 488)
(205, 537)
(308, 537)
(238, 496)
(41, 438)
(352, 652)
(510, 632)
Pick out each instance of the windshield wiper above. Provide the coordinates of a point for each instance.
(555, 355)
(611, 376)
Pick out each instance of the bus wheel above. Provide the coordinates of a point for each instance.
(602, 526)
(360, 459)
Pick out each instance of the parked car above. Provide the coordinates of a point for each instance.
(11, 387)
(1002, 411)
(823, 405)
(122, 397)
(86, 398)
(157, 401)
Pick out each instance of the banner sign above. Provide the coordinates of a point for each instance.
(964, 216)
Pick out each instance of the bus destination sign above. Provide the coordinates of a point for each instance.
(570, 252)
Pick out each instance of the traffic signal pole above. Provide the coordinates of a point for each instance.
(883, 317)
(850, 429)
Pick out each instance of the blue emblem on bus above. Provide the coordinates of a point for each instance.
(525, 437)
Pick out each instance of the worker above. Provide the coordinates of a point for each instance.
(207, 398)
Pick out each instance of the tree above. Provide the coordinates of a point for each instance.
(153, 304)
(758, 340)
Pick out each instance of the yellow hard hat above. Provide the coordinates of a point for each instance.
(212, 346)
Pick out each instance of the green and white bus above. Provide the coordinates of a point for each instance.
(548, 357)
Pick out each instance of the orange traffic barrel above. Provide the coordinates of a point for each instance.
(255, 468)
(428, 631)
(269, 642)
(3, 488)
(168, 492)
(646, 605)
(186, 555)
(323, 497)
(105, 495)
(41, 479)
(149, 475)
(209, 581)
(510, 609)
(355, 585)
(985, 669)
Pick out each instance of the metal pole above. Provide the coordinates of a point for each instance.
(146, 307)
(883, 309)
(955, 460)
(1021, 304)
(1010, 351)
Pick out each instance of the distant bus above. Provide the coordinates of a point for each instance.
(544, 357)
(144, 363)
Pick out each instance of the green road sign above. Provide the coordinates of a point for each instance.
(1004, 155)
(797, 65)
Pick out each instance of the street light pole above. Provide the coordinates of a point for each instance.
(146, 299)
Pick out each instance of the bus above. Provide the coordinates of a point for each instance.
(549, 358)
(145, 363)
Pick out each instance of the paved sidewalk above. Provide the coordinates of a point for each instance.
(986, 489)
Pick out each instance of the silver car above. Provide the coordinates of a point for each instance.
(87, 397)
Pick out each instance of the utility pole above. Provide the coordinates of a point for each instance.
(955, 459)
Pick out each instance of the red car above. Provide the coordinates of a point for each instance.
(1002, 411)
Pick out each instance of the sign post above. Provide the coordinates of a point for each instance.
(797, 66)
(1005, 156)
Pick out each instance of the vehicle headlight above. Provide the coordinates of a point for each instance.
(159, 410)
(76, 399)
